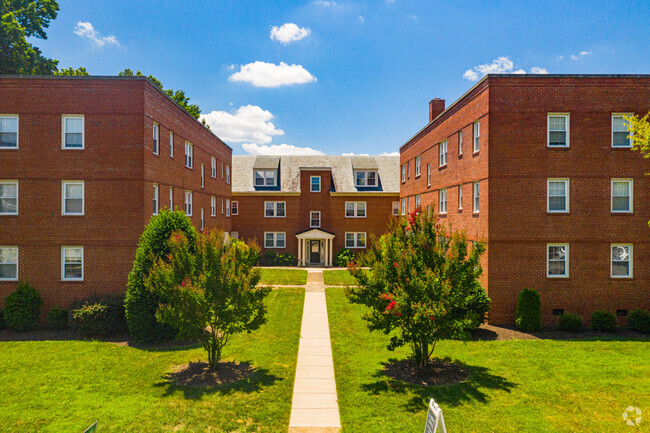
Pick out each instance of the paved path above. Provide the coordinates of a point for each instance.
(315, 407)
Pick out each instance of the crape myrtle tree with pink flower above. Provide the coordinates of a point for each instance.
(423, 285)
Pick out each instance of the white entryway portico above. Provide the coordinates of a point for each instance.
(315, 247)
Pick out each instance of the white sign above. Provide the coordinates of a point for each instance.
(435, 419)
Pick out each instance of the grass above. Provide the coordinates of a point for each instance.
(525, 385)
(56, 386)
(287, 277)
(338, 277)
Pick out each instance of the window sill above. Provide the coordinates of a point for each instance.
(441, 167)
(8, 214)
(548, 212)
(612, 277)
(558, 147)
(622, 212)
(72, 281)
(476, 153)
(621, 147)
(9, 148)
(72, 214)
(555, 277)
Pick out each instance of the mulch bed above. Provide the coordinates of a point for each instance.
(198, 374)
(490, 332)
(437, 372)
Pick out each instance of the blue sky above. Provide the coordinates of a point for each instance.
(362, 71)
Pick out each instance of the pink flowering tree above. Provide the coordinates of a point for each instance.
(212, 293)
(423, 285)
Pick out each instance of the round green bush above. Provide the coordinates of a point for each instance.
(99, 316)
(603, 321)
(141, 303)
(23, 308)
(343, 257)
(528, 316)
(569, 322)
(3, 325)
(639, 320)
(57, 318)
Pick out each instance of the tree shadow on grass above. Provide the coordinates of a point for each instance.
(472, 389)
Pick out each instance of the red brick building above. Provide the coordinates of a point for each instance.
(84, 163)
(312, 206)
(540, 168)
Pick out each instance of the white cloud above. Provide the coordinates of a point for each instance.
(538, 70)
(248, 123)
(500, 65)
(390, 154)
(413, 17)
(584, 53)
(288, 32)
(580, 54)
(574, 57)
(86, 30)
(362, 19)
(559, 58)
(325, 3)
(262, 74)
(355, 154)
(279, 149)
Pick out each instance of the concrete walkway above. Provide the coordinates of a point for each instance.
(315, 407)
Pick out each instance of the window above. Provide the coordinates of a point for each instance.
(189, 155)
(475, 186)
(8, 263)
(477, 136)
(355, 240)
(73, 198)
(274, 240)
(171, 198)
(460, 143)
(622, 195)
(355, 209)
(8, 197)
(202, 176)
(155, 199)
(228, 174)
(395, 208)
(171, 144)
(315, 183)
(428, 174)
(442, 150)
(72, 263)
(73, 132)
(442, 201)
(202, 220)
(557, 263)
(365, 178)
(222, 169)
(188, 203)
(558, 130)
(620, 134)
(8, 132)
(274, 209)
(403, 173)
(417, 201)
(621, 261)
(408, 169)
(266, 177)
(213, 167)
(460, 197)
(418, 163)
(222, 206)
(213, 206)
(227, 207)
(234, 208)
(403, 206)
(156, 140)
(557, 195)
(314, 219)
(234, 235)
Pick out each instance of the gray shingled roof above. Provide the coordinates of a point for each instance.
(342, 170)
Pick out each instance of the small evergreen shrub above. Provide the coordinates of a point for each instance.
(343, 257)
(569, 322)
(99, 316)
(273, 258)
(2, 319)
(23, 308)
(639, 320)
(57, 318)
(528, 316)
(603, 321)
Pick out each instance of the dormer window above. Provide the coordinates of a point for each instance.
(365, 178)
(266, 177)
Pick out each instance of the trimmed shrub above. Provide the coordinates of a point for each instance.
(639, 320)
(478, 304)
(2, 319)
(57, 318)
(603, 321)
(343, 257)
(273, 258)
(99, 316)
(23, 308)
(140, 303)
(570, 322)
(528, 316)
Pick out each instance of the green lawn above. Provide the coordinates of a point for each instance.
(64, 386)
(287, 277)
(525, 385)
(338, 277)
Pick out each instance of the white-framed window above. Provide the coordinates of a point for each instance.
(171, 144)
(557, 195)
(171, 197)
(266, 177)
(274, 240)
(227, 207)
(428, 174)
(408, 169)
(355, 209)
(443, 153)
(8, 132)
(477, 136)
(155, 199)
(475, 196)
(275, 209)
(156, 139)
(442, 201)
(222, 171)
(460, 143)
(234, 235)
(213, 206)
(314, 219)
(418, 165)
(622, 195)
(73, 132)
(403, 206)
(213, 167)
(202, 219)
(403, 173)
(202, 176)
(557, 260)
(395, 208)
(365, 178)
(620, 134)
(460, 197)
(189, 155)
(188, 203)
(235, 208)
(355, 240)
(228, 174)
(72, 263)
(8, 263)
(314, 182)
(558, 130)
(9, 197)
(418, 201)
(72, 197)
(621, 261)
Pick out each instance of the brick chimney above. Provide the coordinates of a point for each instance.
(436, 106)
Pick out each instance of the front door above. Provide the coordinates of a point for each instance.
(314, 256)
